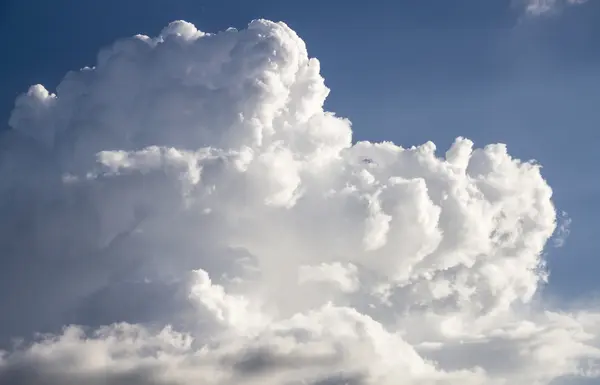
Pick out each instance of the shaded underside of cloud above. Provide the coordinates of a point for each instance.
(186, 212)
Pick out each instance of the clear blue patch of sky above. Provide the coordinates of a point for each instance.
(405, 71)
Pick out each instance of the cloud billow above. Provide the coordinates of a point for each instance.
(185, 211)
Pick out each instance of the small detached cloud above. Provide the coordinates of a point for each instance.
(185, 211)
(540, 7)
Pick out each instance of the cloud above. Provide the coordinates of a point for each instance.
(563, 231)
(539, 7)
(185, 211)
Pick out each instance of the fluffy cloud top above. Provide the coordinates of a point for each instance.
(186, 212)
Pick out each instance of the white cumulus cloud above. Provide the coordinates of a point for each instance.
(186, 212)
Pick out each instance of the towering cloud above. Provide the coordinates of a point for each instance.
(186, 212)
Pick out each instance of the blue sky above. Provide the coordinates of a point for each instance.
(405, 71)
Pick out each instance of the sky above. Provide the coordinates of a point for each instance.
(198, 181)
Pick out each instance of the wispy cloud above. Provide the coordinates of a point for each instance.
(539, 7)
(563, 230)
